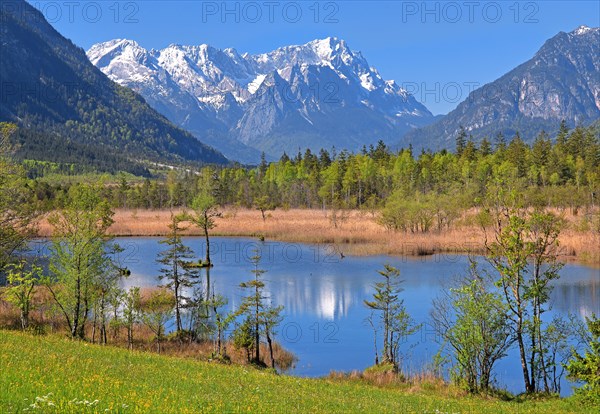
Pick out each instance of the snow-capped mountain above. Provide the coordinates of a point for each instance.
(317, 95)
(560, 82)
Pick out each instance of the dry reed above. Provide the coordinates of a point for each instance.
(352, 232)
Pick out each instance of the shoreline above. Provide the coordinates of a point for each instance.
(353, 232)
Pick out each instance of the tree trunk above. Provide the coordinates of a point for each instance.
(158, 338)
(130, 337)
(257, 342)
(219, 342)
(75, 325)
(207, 241)
(484, 381)
(532, 364)
(538, 326)
(375, 345)
(25, 319)
(86, 311)
(177, 310)
(116, 324)
(219, 332)
(257, 330)
(102, 323)
(94, 330)
(270, 349)
(208, 289)
(528, 387)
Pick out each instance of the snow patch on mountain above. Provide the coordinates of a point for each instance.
(581, 30)
(255, 84)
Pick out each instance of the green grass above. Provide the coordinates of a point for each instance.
(62, 375)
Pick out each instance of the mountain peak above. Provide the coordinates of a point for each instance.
(581, 30)
(116, 43)
(328, 47)
(128, 42)
(329, 41)
(584, 30)
(101, 53)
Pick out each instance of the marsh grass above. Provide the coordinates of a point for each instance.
(359, 233)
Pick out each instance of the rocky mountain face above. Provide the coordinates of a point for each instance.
(562, 81)
(317, 95)
(50, 88)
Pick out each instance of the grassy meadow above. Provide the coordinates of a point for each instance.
(50, 374)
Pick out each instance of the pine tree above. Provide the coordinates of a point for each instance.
(175, 268)
(253, 305)
(485, 148)
(394, 320)
(563, 134)
(461, 141)
(500, 144)
(263, 165)
(259, 316)
(206, 211)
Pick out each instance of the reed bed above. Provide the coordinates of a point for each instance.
(350, 232)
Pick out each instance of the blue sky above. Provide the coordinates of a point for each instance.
(437, 50)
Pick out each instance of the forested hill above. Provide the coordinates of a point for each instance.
(51, 89)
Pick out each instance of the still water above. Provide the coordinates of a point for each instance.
(323, 293)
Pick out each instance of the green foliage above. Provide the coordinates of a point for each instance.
(17, 206)
(472, 320)
(156, 311)
(80, 263)
(381, 368)
(69, 157)
(559, 335)
(524, 252)
(264, 204)
(131, 302)
(221, 322)
(22, 280)
(393, 319)
(586, 367)
(243, 336)
(422, 213)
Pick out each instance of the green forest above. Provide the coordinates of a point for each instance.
(563, 173)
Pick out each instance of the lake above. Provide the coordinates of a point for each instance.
(323, 295)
